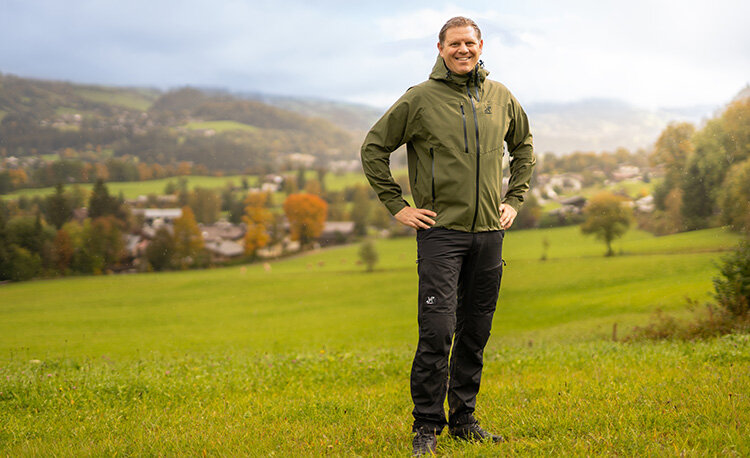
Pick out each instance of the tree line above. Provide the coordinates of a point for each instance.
(706, 173)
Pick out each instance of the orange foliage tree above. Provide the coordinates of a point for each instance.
(257, 218)
(188, 238)
(307, 215)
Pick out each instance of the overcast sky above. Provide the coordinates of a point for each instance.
(650, 53)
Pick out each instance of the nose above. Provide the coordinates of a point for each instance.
(463, 48)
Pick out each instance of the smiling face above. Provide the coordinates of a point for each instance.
(461, 49)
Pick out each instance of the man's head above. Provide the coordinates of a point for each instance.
(460, 44)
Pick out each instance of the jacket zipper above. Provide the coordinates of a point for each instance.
(432, 156)
(466, 137)
(476, 130)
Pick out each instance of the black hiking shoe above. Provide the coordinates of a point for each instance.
(425, 442)
(474, 433)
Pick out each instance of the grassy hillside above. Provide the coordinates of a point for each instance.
(311, 355)
(219, 126)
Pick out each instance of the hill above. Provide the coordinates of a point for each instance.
(41, 117)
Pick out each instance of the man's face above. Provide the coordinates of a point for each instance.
(461, 49)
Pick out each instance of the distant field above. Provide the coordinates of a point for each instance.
(220, 126)
(311, 356)
(133, 189)
(114, 97)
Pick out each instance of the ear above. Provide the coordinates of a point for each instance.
(481, 44)
(440, 47)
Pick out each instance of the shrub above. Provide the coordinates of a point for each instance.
(732, 288)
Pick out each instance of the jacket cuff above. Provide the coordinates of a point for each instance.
(396, 206)
(513, 202)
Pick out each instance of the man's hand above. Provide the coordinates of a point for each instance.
(418, 218)
(507, 216)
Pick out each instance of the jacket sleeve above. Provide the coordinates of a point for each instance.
(390, 132)
(521, 150)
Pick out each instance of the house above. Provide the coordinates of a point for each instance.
(151, 215)
(222, 230)
(224, 250)
(336, 232)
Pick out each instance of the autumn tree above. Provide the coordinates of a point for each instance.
(607, 217)
(672, 150)
(188, 238)
(105, 243)
(306, 215)
(62, 251)
(206, 205)
(257, 219)
(734, 200)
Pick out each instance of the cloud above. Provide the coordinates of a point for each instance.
(648, 53)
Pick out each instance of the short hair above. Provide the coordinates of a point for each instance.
(459, 21)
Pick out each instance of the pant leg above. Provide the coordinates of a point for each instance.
(440, 255)
(478, 290)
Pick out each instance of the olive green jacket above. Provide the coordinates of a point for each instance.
(454, 127)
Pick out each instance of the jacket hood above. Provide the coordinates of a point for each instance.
(441, 72)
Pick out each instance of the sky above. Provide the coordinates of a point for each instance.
(650, 54)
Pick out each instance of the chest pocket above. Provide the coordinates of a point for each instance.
(493, 124)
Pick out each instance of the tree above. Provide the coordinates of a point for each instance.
(607, 218)
(697, 204)
(106, 242)
(672, 149)
(732, 288)
(368, 254)
(58, 208)
(307, 215)
(62, 251)
(529, 214)
(206, 205)
(101, 203)
(361, 209)
(734, 200)
(257, 218)
(160, 252)
(188, 238)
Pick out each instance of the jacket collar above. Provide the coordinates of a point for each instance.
(441, 72)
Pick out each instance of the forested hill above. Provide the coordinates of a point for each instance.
(213, 129)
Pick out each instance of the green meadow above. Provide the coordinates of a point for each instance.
(311, 355)
(220, 126)
(133, 189)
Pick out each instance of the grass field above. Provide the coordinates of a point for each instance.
(133, 189)
(220, 126)
(111, 96)
(311, 356)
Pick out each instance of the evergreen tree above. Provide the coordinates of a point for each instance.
(58, 208)
(101, 203)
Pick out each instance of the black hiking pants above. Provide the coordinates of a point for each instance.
(459, 283)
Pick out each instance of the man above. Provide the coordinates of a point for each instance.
(454, 126)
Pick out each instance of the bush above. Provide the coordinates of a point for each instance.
(732, 288)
